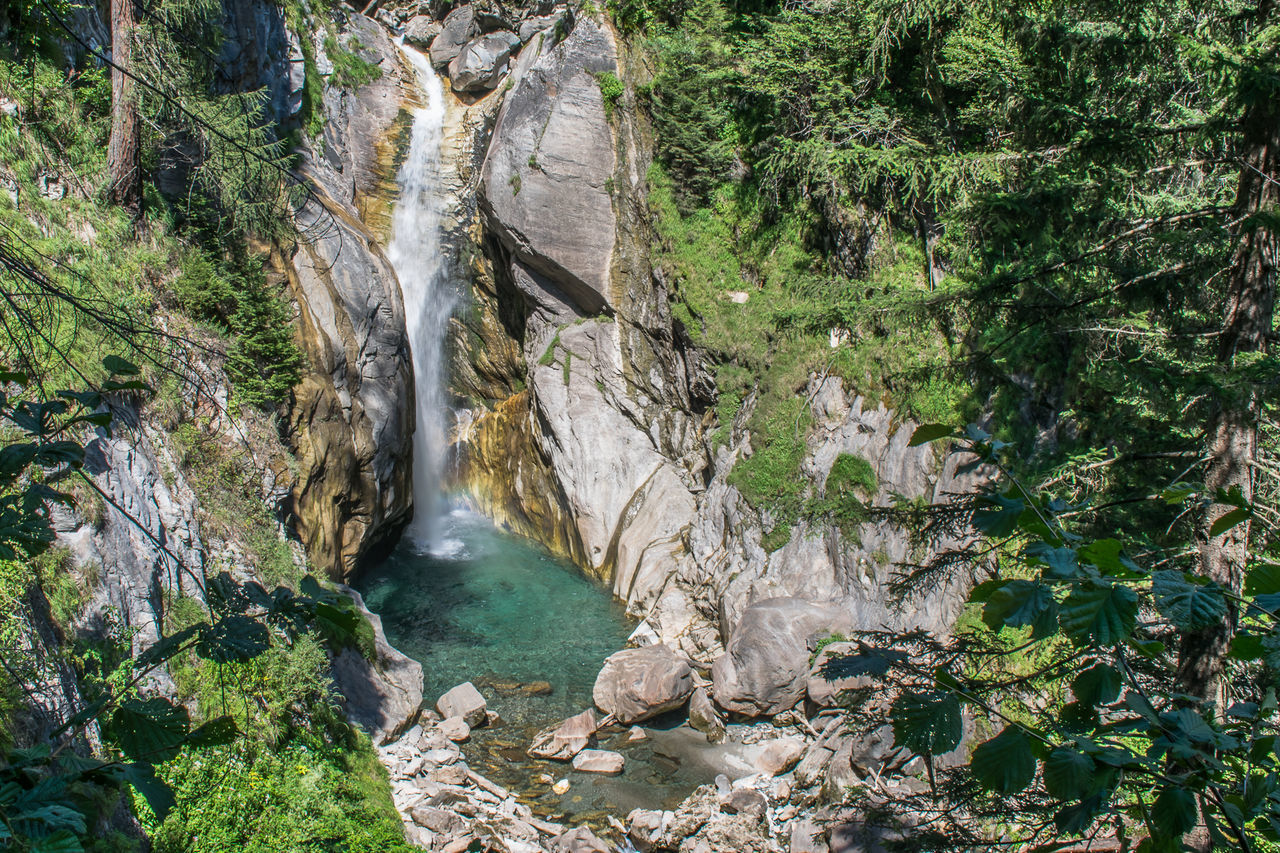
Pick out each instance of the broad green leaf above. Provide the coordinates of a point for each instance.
(1076, 819)
(61, 841)
(1263, 579)
(999, 516)
(1019, 603)
(927, 723)
(149, 731)
(1178, 492)
(1059, 563)
(1246, 647)
(1068, 774)
(158, 795)
(1228, 520)
(1149, 649)
(1174, 812)
(1005, 764)
(216, 732)
(926, 433)
(1108, 556)
(1097, 685)
(1187, 605)
(1266, 604)
(167, 647)
(117, 366)
(1099, 613)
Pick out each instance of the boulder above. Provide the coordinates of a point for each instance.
(455, 729)
(704, 717)
(636, 684)
(565, 740)
(466, 702)
(382, 696)
(482, 62)
(780, 755)
(458, 29)
(822, 686)
(491, 16)
(766, 662)
(580, 839)
(421, 31)
(599, 761)
(530, 27)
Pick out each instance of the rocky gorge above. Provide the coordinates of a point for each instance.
(581, 420)
(580, 415)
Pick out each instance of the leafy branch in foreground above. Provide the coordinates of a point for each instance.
(49, 793)
(1095, 740)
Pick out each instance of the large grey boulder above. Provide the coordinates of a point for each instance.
(636, 684)
(544, 185)
(480, 65)
(766, 661)
(459, 28)
(383, 696)
(825, 682)
(421, 31)
(530, 27)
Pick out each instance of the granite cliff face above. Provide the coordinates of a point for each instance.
(604, 454)
(351, 421)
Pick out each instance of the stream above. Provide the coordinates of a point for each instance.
(530, 631)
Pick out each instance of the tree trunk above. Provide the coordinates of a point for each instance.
(124, 151)
(1233, 430)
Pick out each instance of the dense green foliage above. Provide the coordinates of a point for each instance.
(1037, 213)
(1125, 753)
(254, 732)
(954, 206)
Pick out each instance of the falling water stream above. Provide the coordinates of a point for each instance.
(417, 253)
(472, 603)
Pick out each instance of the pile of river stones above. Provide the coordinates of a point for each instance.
(806, 756)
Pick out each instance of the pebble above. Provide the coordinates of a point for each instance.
(561, 787)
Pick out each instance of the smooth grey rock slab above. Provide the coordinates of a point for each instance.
(636, 684)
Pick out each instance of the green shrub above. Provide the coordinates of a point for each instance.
(849, 474)
(350, 70)
(296, 798)
(611, 90)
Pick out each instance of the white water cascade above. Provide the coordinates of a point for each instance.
(416, 251)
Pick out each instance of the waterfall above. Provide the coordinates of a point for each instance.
(416, 251)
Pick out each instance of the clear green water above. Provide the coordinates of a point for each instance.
(496, 610)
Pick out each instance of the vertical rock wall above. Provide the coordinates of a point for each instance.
(603, 455)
